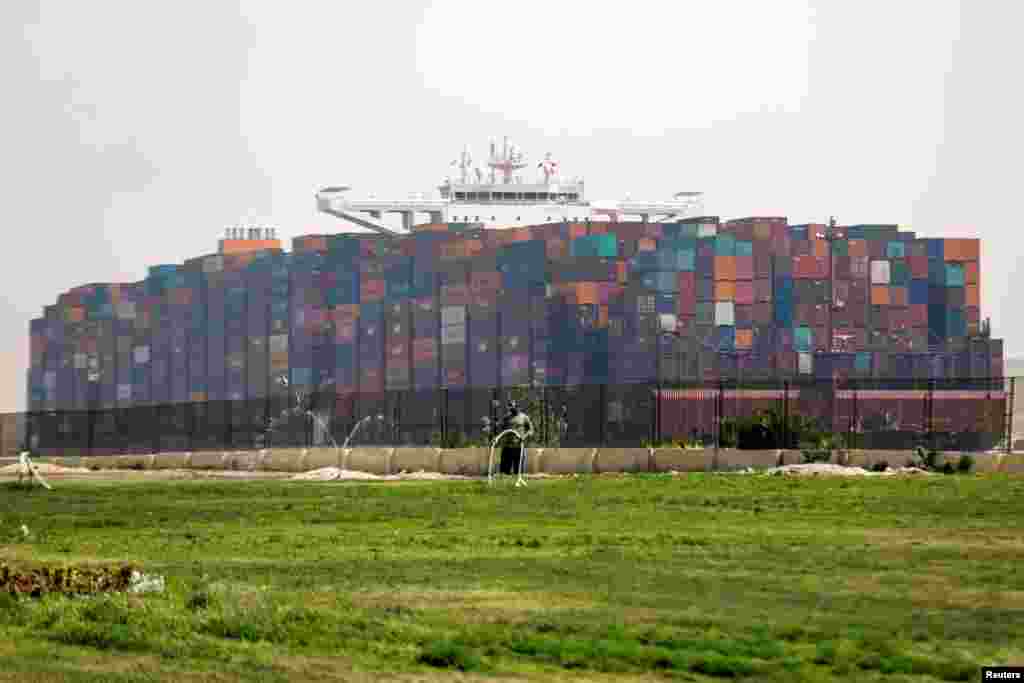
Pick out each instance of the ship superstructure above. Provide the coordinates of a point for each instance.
(499, 194)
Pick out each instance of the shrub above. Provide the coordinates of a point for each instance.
(447, 654)
(948, 468)
(880, 466)
(965, 464)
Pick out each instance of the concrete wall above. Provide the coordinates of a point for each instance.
(474, 461)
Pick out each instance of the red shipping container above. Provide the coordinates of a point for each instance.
(762, 314)
(899, 318)
(371, 290)
(918, 267)
(841, 267)
(687, 294)
(762, 260)
(424, 350)
(810, 267)
(971, 273)
(857, 248)
(744, 267)
(762, 290)
(484, 281)
(973, 314)
(556, 249)
(878, 249)
(917, 315)
(743, 230)
(801, 247)
(745, 293)
(857, 315)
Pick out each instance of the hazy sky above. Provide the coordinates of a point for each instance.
(133, 133)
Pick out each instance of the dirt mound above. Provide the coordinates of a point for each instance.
(338, 474)
(829, 470)
(43, 468)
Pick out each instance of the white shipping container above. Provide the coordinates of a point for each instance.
(453, 315)
(879, 272)
(453, 334)
(725, 314)
(213, 264)
(81, 361)
(279, 343)
(805, 363)
(124, 392)
(141, 355)
(707, 230)
(126, 310)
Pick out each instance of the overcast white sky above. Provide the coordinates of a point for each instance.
(131, 134)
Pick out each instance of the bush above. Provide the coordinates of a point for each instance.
(447, 654)
(965, 464)
(880, 466)
(948, 468)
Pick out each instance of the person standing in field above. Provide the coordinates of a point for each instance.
(510, 454)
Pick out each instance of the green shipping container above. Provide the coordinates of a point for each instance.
(594, 245)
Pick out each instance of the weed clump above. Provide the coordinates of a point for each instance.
(447, 654)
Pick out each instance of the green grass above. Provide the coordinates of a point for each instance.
(700, 577)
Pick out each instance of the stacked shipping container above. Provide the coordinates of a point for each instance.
(551, 304)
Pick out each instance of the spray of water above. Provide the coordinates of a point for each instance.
(520, 481)
(358, 425)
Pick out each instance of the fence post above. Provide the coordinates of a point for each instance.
(602, 392)
(1009, 417)
(931, 414)
(191, 425)
(227, 424)
(544, 415)
(444, 418)
(785, 414)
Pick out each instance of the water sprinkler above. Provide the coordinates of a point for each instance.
(379, 418)
(520, 481)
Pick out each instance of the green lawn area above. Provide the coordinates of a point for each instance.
(698, 577)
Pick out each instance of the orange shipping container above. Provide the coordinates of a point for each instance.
(646, 244)
(725, 291)
(762, 231)
(602, 316)
(898, 296)
(858, 248)
(744, 339)
(725, 268)
(880, 296)
(961, 249)
(238, 247)
(820, 248)
(587, 293)
(971, 273)
(620, 271)
(971, 295)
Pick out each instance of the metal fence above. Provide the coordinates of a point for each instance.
(970, 415)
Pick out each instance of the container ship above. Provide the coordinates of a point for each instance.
(508, 276)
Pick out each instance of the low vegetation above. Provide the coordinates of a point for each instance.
(697, 577)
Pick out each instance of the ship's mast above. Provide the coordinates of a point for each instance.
(510, 161)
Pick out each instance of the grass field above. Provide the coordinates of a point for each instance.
(690, 578)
